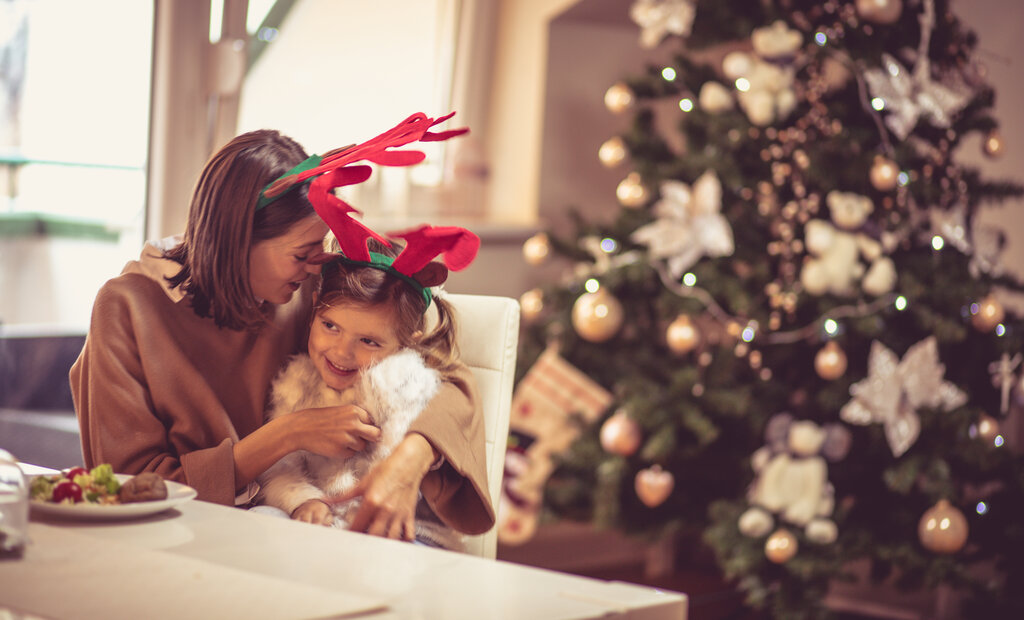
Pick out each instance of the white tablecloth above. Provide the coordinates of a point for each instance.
(203, 561)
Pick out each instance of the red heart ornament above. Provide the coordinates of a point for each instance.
(653, 485)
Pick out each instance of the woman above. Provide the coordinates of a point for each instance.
(183, 345)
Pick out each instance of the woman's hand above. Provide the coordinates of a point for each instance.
(334, 432)
(390, 491)
(314, 511)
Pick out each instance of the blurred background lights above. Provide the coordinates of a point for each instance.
(742, 84)
(820, 38)
(748, 333)
(609, 245)
(689, 279)
(900, 303)
(266, 34)
(591, 285)
(878, 103)
(903, 178)
(1000, 330)
(974, 308)
(686, 104)
(938, 242)
(981, 508)
(831, 327)
(668, 73)
(998, 441)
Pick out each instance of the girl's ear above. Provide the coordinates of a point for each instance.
(417, 336)
(432, 274)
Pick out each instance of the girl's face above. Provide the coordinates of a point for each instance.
(344, 339)
(277, 266)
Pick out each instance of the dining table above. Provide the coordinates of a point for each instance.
(195, 559)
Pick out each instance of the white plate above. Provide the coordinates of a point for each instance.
(176, 494)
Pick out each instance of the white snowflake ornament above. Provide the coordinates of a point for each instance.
(690, 224)
(658, 18)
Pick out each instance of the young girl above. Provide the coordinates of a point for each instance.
(368, 345)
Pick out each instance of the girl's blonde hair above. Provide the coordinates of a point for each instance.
(342, 283)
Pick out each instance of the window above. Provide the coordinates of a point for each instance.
(335, 72)
(74, 126)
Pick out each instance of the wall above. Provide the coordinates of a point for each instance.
(1001, 50)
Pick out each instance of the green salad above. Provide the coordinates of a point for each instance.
(78, 484)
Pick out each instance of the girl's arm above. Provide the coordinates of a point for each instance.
(285, 484)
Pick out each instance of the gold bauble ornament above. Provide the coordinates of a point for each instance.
(830, 362)
(943, 528)
(618, 98)
(780, 546)
(536, 249)
(597, 316)
(880, 11)
(620, 434)
(531, 303)
(653, 485)
(631, 191)
(884, 173)
(682, 336)
(612, 152)
(993, 145)
(990, 313)
(987, 428)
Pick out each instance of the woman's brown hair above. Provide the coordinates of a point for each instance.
(223, 224)
(342, 283)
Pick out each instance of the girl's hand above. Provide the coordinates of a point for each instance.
(314, 511)
(334, 432)
(390, 491)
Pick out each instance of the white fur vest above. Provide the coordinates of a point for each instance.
(393, 391)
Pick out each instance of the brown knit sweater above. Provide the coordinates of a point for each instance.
(158, 388)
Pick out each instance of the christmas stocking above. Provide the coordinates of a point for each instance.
(546, 408)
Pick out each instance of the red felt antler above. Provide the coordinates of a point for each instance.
(334, 171)
(458, 245)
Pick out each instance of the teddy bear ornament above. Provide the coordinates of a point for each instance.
(791, 483)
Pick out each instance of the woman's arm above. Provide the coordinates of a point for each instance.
(391, 489)
(145, 403)
(451, 426)
(334, 432)
(111, 386)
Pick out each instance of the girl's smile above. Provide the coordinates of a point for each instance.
(344, 339)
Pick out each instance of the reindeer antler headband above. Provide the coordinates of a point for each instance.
(413, 264)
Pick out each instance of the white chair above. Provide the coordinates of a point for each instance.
(488, 339)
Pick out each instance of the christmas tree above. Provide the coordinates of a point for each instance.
(796, 316)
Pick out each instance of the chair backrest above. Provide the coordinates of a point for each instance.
(488, 339)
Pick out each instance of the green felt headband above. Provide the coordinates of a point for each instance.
(307, 164)
(383, 263)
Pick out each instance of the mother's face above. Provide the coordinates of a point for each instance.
(278, 266)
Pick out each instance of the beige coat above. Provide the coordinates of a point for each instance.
(158, 388)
